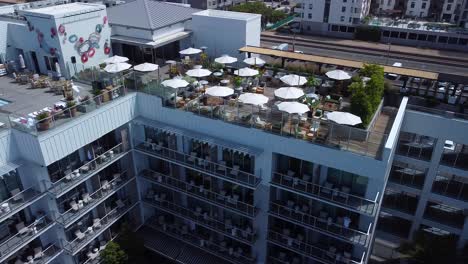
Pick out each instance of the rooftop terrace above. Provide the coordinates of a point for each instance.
(416, 25)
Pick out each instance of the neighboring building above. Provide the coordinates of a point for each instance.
(315, 15)
(418, 8)
(209, 4)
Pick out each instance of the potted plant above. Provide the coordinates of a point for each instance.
(237, 81)
(43, 121)
(97, 96)
(71, 105)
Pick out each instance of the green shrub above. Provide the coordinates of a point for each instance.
(113, 254)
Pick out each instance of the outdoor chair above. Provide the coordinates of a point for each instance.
(221, 167)
(327, 188)
(331, 252)
(21, 228)
(96, 223)
(79, 235)
(16, 196)
(102, 245)
(86, 198)
(38, 253)
(235, 170)
(344, 192)
(74, 206)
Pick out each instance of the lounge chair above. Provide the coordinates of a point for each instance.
(96, 223)
(86, 198)
(16, 196)
(79, 235)
(21, 228)
(74, 206)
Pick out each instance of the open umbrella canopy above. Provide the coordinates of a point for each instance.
(115, 59)
(146, 67)
(293, 80)
(254, 61)
(117, 67)
(190, 51)
(344, 118)
(289, 92)
(338, 75)
(293, 107)
(198, 73)
(246, 72)
(175, 83)
(220, 91)
(225, 59)
(253, 99)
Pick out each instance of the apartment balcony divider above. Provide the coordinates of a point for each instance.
(70, 216)
(204, 220)
(25, 235)
(205, 166)
(315, 191)
(314, 252)
(18, 202)
(321, 225)
(202, 243)
(205, 196)
(72, 247)
(86, 171)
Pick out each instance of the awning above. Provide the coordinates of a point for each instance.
(9, 166)
(159, 42)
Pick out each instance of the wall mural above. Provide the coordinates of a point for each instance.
(86, 48)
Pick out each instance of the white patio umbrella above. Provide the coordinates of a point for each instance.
(293, 107)
(253, 99)
(313, 96)
(198, 73)
(225, 59)
(254, 61)
(190, 51)
(289, 92)
(117, 67)
(21, 62)
(175, 83)
(344, 118)
(338, 75)
(220, 91)
(115, 59)
(246, 72)
(146, 67)
(58, 70)
(293, 80)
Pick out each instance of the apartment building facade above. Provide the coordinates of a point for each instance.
(427, 189)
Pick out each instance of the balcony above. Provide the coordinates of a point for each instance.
(453, 187)
(321, 224)
(57, 117)
(407, 176)
(445, 215)
(205, 166)
(39, 255)
(92, 232)
(83, 173)
(25, 235)
(400, 201)
(18, 202)
(332, 195)
(243, 234)
(330, 256)
(89, 202)
(217, 248)
(205, 196)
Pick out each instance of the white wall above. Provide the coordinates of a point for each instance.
(420, 9)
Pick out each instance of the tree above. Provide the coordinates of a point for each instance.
(269, 15)
(113, 254)
(360, 103)
(132, 244)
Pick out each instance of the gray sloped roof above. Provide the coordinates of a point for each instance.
(148, 14)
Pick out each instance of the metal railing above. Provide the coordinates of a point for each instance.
(309, 250)
(110, 218)
(348, 200)
(194, 239)
(71, 180)
(340, 231)
(18, 201)
(213, 168)
(55, 119)
(194, 191)
(97, 197)
(48, 254)
(205, 221)
(439, 112)
(24, 235)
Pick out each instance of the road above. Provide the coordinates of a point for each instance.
(353, 53)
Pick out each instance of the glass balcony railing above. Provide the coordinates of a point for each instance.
(93, 200)
(323, 225)
(73, 179)
(213, 168)
(348, 200)
(314, 252)
(195, 239)
(206, 195)
(17, 202)
(91, 233)
(203, 219)
(56, 118)
(25, 235)
(48, 254)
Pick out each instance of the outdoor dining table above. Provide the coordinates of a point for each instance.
(224, 82)
(217, 74)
